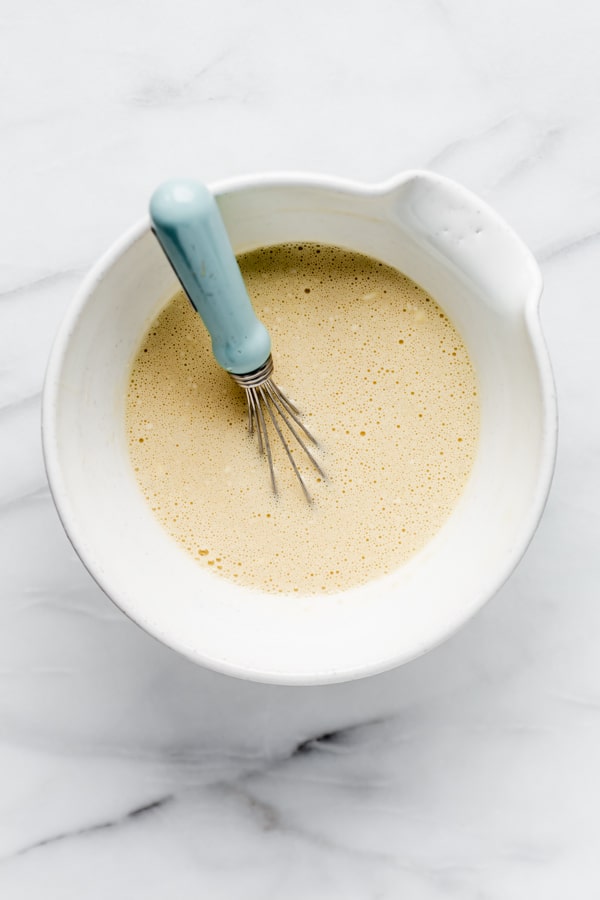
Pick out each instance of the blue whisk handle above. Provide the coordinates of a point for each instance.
(187, 222)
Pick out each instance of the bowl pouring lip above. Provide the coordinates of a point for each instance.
(293, 179)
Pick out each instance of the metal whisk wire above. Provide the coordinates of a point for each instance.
(263, 395)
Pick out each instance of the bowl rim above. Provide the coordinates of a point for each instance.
(294, 179)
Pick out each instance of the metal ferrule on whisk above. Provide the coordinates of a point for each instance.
(257, 377)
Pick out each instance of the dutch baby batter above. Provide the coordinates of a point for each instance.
(384, 382)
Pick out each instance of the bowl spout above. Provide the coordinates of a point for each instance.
(468, 237)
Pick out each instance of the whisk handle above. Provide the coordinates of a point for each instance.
(187, 222)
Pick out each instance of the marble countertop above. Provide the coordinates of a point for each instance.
(126, 771)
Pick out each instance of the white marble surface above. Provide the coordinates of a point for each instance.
(125, 771)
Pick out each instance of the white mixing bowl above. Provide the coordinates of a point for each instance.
(482, 275)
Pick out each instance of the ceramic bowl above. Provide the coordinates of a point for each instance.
(481, 274)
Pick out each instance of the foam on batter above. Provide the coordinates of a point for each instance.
(384, 382)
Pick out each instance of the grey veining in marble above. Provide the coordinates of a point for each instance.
(127, 772)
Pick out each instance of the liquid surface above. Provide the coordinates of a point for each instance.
(384, 382)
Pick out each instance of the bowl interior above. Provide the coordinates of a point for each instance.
(415, 227)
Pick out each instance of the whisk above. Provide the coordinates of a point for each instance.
(187, 222)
